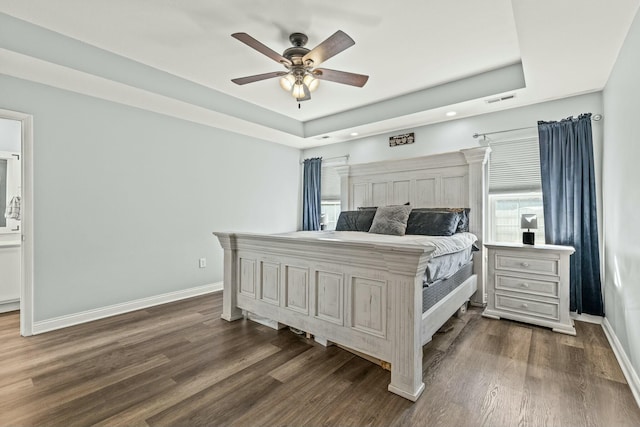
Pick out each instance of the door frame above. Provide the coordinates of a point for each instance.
(26, 210)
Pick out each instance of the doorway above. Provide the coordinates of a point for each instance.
(16, 238)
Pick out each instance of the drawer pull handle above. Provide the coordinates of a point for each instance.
(525, 264)
(524, 305)
(524, 285)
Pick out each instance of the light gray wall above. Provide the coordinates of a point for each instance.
(457, 134)
(621, 179)
(126, 200)
(10, 135)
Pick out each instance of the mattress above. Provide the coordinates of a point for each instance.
(444, 266)
(439, 289)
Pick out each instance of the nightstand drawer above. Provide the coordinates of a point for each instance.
(526, 265)
(529, 286)
(525, 306)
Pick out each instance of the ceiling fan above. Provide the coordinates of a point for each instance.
(302, 77)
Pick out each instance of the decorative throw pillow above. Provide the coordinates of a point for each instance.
(463, 224)
(373, 208)
(433, 223)
(390, 220)
(355, 220)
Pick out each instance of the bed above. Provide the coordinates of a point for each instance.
(366, 291)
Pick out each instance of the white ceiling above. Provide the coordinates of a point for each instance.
(566, 47)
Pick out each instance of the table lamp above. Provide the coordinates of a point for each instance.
(323, 221)
(529, 221)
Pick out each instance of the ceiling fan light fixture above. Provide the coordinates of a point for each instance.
(298, 91)
(311, 82)
(286, 82)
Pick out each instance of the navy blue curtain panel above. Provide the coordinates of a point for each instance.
(311, 208)
(569, 197)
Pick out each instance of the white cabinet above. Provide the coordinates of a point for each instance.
(529, 284)
(9, 276)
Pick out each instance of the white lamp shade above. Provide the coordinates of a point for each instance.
(311, 82)
(298, 91)
(287, 82)
(529, 221)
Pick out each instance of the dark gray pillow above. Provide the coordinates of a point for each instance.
(373, 208)
(463, 224)
(355, 220)
(390, 220)
(433, 223)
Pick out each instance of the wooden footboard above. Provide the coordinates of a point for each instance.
(364, 296)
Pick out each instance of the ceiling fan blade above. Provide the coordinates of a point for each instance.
(258, 77)
(332, 46)
(251, 42)
(343, 77)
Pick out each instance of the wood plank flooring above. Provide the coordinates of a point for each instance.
(179, 364)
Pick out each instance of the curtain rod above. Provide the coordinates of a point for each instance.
(596, 117)
(476, 135)
(346, 156)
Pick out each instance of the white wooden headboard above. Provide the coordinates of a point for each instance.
(457, 179)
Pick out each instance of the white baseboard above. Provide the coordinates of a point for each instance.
(629, 372)
(9, 305)
(588, 318)
(42, 326)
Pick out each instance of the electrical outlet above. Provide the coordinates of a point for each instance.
(203, 262)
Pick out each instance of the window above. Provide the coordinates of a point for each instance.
(505, 211)
(330, 193)
(331, 208)
(514, 189)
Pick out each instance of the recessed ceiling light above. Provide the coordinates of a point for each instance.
(354, 134)
(451, 113)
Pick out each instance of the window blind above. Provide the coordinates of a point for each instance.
(330, 184)
(514, 166)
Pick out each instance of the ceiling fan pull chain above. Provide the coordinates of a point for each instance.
(298, 105)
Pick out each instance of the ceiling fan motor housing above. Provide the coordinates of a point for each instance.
(298, 39)
(295, 54)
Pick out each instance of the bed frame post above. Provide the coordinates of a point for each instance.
(405, 324)
(478, 194)
(230, 310)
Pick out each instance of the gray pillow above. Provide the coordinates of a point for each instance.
(463, 224)
(355, 220)
(391, 220)
(433, 223)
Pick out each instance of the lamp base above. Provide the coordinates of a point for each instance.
(528, 238)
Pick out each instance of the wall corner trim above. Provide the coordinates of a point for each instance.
(629, 372)
(43, 326)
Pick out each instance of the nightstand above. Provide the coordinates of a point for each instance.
(529, 283)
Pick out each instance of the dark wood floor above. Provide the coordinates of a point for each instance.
(180, 365)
